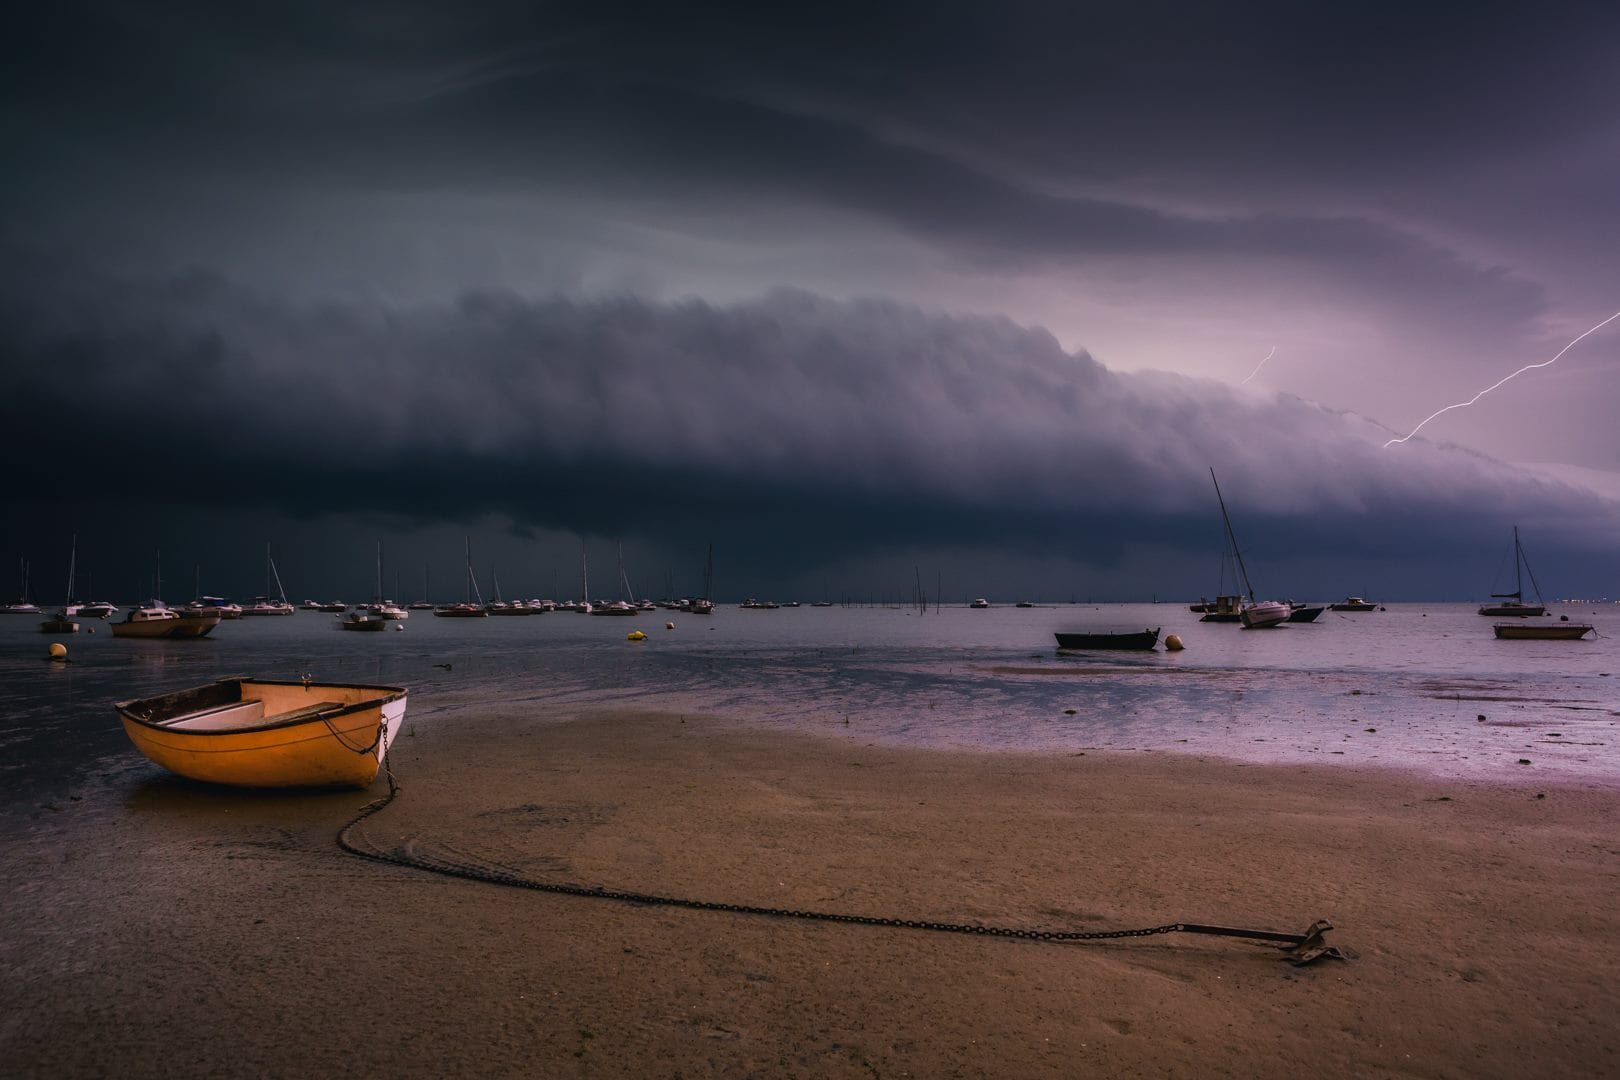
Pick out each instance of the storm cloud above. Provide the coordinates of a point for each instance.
(865, 426)
(842, 283)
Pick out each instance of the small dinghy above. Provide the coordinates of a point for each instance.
(1145, 639)
(268, 733)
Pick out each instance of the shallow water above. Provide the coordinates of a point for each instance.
(1403, 687)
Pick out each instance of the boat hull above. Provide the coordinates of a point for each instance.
(1551, 632)
(1520, 611)
(188, 626)
(1305, 614)
(1264, 614)
(1143, 640)
(460, 611)
(256, 733)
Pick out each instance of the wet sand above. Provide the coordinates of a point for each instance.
(157, 928)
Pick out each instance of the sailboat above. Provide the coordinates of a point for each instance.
(1513, 603)
(271, 603)
(1226, 607)
(1253, 614)
(704, 605)
(625, 605)
(62, 622)
(380, 606)
(423, 604)
(583, 607)
(467, 609)
(217, 605)
(23, 606)
(155, 619)
(504, 607)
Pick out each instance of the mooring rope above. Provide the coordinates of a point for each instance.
(1300, 948)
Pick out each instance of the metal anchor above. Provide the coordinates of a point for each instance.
(1301, 949)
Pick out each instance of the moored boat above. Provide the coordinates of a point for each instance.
(1261, 614)
(267, 733)
(1223, 609)
(216, 605)
(466, 609)
(979, 603)
(1354, 603)
(23, 605)
(704, 605)
(62, 622)
(459, 610)
(363, 619)
(1531, 631)
(269, 604)
(1256, 614)
(1304, 613)
(380, 605)
(1140, 640)
(155, 619)
(1513, 604)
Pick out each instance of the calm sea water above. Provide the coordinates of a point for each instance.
(1403, 687)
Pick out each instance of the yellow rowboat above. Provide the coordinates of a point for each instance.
(268, 733)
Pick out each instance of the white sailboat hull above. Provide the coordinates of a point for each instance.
(1258, 616)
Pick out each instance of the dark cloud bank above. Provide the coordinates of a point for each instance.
(803, 436)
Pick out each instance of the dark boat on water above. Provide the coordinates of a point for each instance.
(1304, 612)
(1224, 609)
(1355, 603)
(1528, 631)
(1141, 640)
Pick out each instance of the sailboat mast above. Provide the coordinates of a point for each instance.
(1518, 565)
(274, 575)
(1237, 552)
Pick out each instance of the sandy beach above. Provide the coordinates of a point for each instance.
(157, 928)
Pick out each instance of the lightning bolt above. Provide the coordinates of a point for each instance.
(1260, 365)
(1503, 380)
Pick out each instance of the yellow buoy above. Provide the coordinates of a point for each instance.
(1172, 643)
(58, 651)
(636, 635)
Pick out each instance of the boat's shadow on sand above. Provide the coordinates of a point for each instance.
(176, 796)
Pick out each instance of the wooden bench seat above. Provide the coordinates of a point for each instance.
(308, 712)
(232, 714)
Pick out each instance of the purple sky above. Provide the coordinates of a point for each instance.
(973, 286)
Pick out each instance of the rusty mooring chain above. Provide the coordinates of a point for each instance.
(1298, 949)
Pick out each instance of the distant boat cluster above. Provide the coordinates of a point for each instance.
(155, 619)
